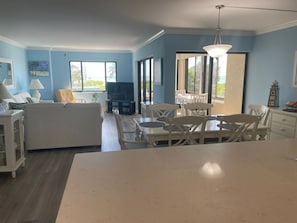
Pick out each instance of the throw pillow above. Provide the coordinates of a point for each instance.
(16, 106)
(30, 100)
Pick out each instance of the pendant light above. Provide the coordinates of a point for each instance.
(217, 49)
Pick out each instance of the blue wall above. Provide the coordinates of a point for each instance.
(18, 56)
(272, 58)
(59, 67)
(155, 50)
(168, 45)
(42, 55)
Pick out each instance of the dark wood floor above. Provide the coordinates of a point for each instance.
(35, 194)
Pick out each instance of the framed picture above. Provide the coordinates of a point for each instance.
(39, 68)
(158, 71)
(295, 71)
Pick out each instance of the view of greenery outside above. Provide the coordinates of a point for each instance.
(219, 78)
(191, 78)
(194, 75)
(91, 76)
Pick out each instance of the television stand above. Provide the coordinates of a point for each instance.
(125, 107)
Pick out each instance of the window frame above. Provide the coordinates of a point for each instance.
(83, 89)
(217, 70)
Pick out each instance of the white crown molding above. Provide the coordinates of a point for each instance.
(57, 49)
(276, 28)
(11, 42)
(191, 31)
(151, 39)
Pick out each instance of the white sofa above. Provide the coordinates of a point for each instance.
(19, 100)
(58, 125)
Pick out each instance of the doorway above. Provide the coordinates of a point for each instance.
(222, 80)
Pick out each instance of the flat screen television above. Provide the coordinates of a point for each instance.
(120, 91)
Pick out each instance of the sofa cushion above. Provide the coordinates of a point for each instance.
(21, 97)
(45, 106)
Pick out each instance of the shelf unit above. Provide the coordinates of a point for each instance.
(11, 141)
(124, 107)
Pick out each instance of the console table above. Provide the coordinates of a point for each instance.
(282, 124)
(11, 141)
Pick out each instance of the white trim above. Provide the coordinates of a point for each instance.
(277, 27)
(78, 50)
(151, 39)
(11, 42)
(207, 31)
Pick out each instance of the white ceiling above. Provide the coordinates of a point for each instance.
(126, 24)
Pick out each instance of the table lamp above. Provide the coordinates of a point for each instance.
(36, 85)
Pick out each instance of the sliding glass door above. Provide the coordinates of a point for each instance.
(145, 81)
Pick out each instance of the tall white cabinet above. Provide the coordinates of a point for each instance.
(282, 124)
(11, 141)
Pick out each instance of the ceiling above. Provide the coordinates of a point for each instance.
(127, 24)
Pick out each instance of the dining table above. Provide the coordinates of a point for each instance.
(223, 182)
(155, 130)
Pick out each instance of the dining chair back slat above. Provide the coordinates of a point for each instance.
(128, 139)
(260, 110)
(238, 124)
(198, 108)
(163, 110)
(185, 127)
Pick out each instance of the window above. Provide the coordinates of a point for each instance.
(219, 77)
(91, 76)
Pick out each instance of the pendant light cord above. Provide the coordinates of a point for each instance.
(218, 39)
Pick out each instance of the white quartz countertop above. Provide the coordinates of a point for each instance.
(252, 182)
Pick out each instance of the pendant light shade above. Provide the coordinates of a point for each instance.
(218, 49)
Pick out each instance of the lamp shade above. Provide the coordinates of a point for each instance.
(217, 50)
(36, 84)
(4, 93)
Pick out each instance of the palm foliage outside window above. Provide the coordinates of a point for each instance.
(194, 74)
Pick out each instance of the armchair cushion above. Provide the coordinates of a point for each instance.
(65, 96)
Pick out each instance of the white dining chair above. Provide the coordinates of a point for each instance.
(198, 108)
(182, 129)
(260, 110)
(131, 139)
(238, 124)
(163, 111)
